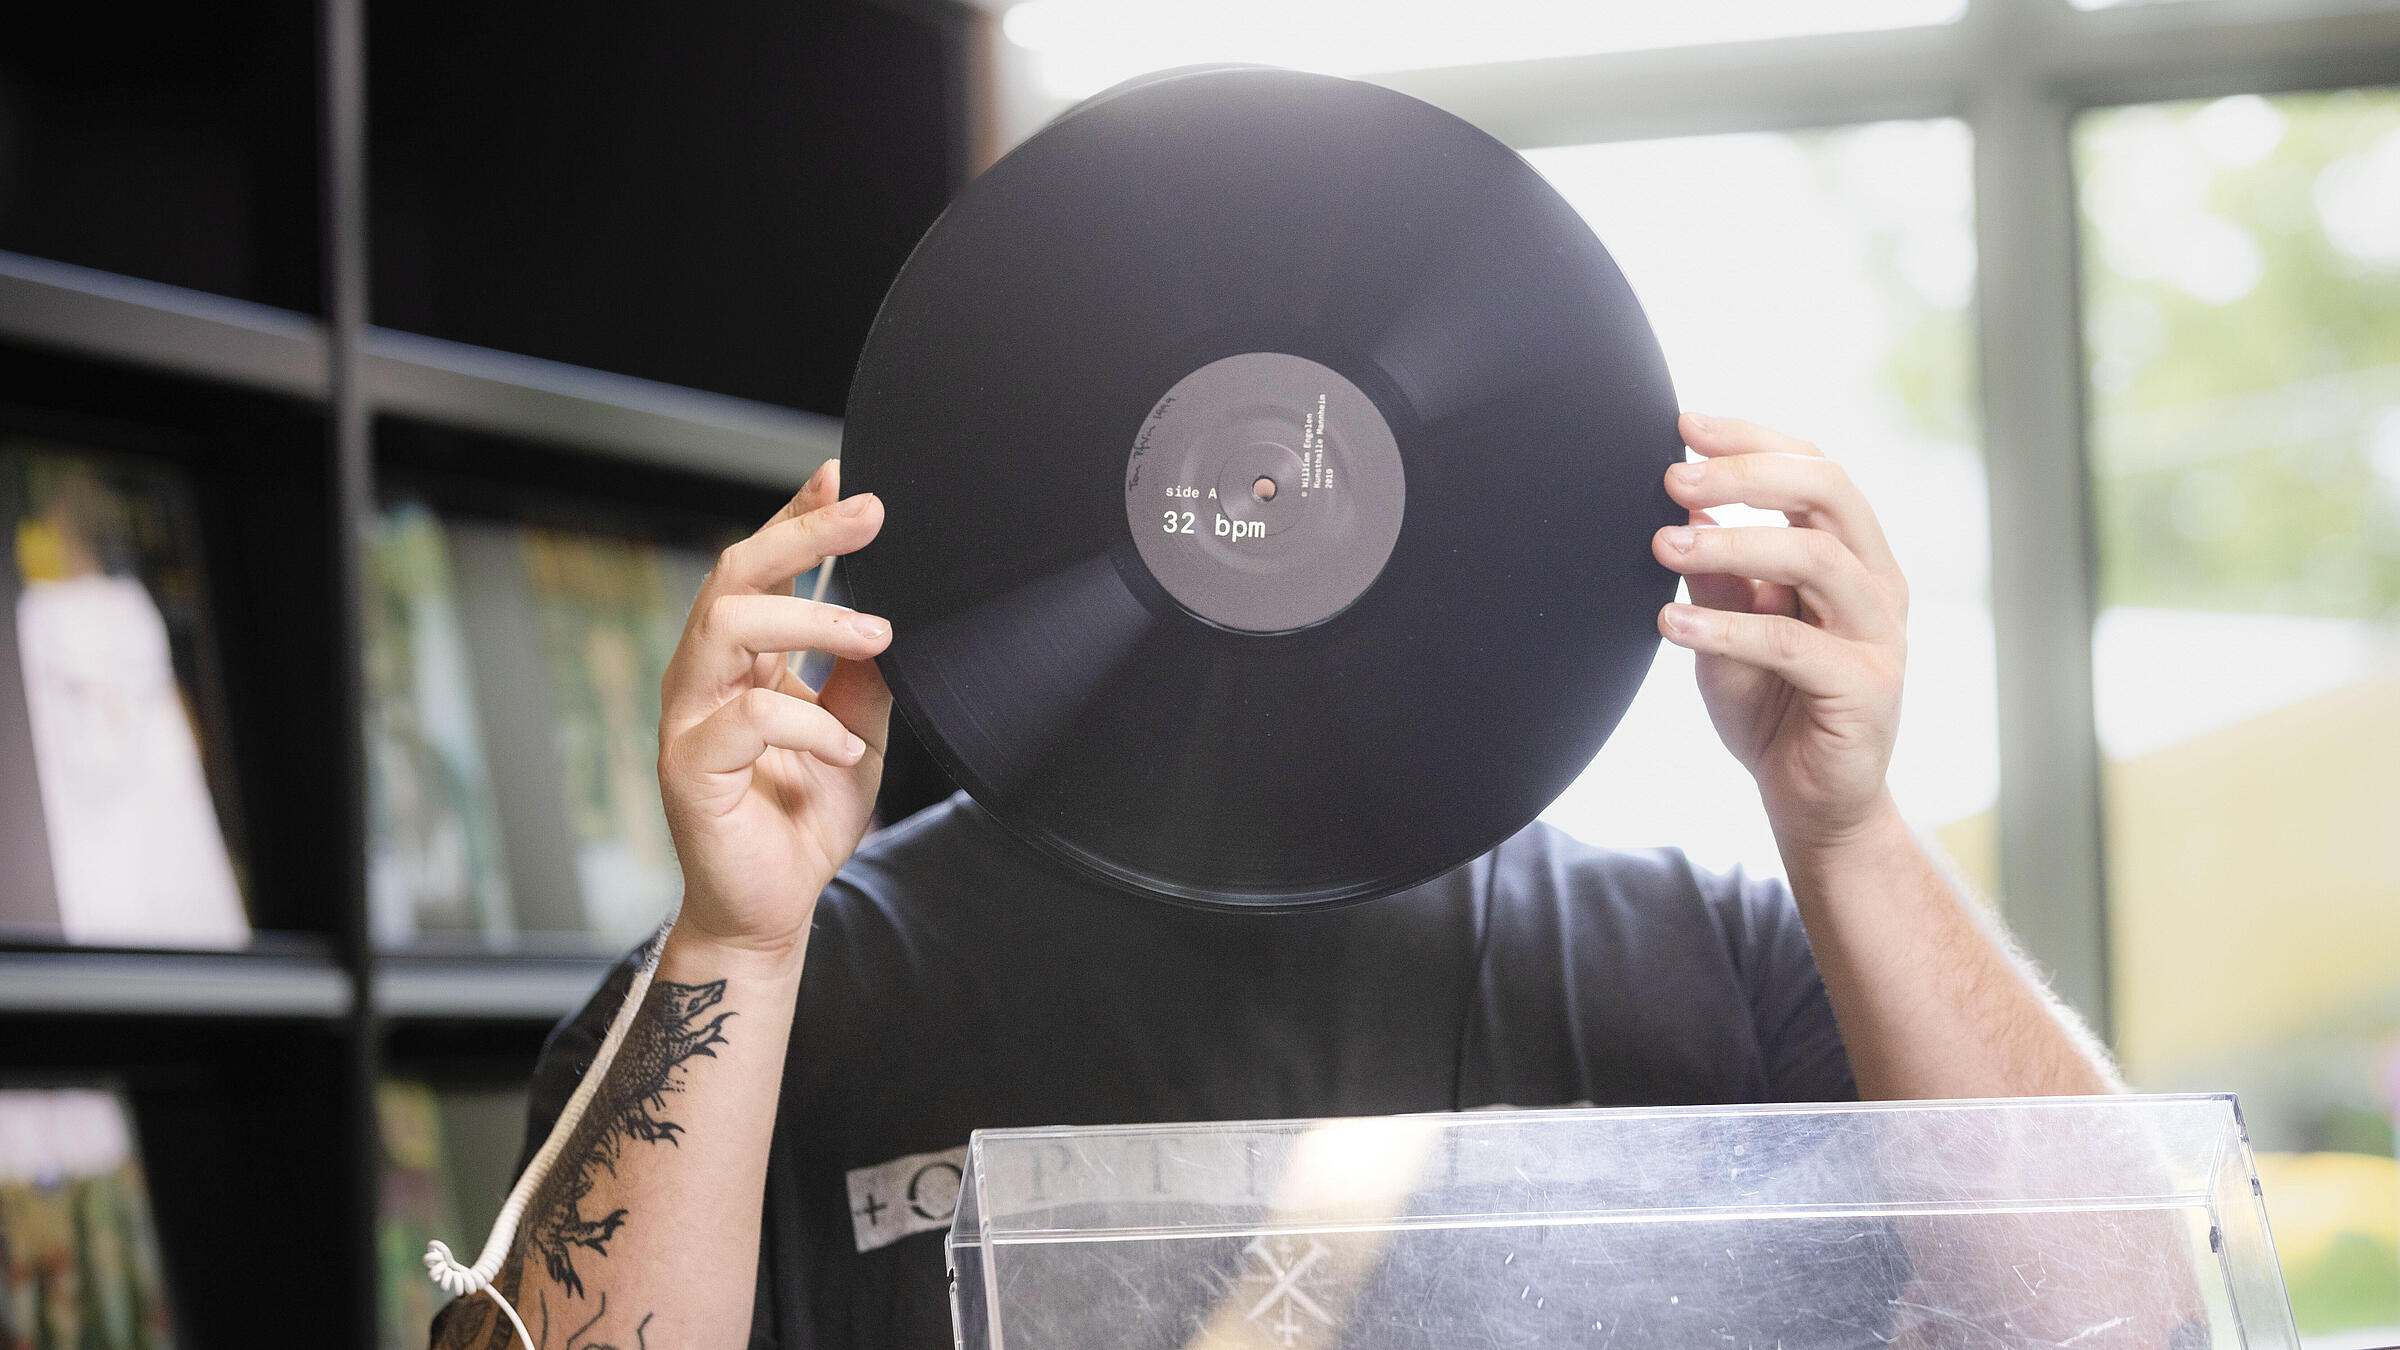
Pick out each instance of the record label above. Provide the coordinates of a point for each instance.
(1265, 492)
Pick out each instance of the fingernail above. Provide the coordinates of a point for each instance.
(1700, 422)
(1688, 473)
(1679, 538)
(819, 476)
(1679, 618)
(856, 506)
(856, 746)
(868, 626)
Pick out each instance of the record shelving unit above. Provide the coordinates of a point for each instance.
(296, 247)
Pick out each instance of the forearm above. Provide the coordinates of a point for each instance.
(1931, 998)
(646, 1230)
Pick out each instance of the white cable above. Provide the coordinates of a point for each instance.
(461, 1280)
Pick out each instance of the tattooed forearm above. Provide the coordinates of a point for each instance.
(678, 1023)
(578, 1341)
(675, 1027)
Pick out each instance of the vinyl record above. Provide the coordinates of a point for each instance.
(1270, 464)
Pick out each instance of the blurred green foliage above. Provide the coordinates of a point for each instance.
(2245, 438)
(2355, 1284)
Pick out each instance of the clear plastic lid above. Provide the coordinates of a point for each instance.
(2052, 1222)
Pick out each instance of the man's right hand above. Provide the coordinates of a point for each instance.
(769, 786)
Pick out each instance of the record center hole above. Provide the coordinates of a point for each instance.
(1263, 489)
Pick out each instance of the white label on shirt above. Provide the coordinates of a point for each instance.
(889, 1201)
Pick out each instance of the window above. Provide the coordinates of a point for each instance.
(1840, 316)
(2243, 315)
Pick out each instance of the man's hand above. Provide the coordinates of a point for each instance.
(646, 1230)
(768, 786)
(1801, 635)
(1801, 632)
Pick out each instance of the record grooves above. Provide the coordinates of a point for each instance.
(1270, 462)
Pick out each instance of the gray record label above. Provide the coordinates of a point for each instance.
(1265, 492)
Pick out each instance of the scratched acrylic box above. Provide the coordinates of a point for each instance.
(2086, 1222)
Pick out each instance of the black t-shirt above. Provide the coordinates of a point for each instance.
(958, 980)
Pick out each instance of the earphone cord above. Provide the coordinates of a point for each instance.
(462, 1280)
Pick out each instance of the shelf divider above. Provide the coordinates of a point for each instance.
(189, 332)
(506, 988)
(596, 410)
(150, 323)
(184, 984)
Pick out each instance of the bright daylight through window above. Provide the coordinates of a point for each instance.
(1841, 317)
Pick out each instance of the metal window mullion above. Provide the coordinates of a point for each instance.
(2028, 310)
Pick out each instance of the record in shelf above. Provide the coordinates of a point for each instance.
(109, 688)
(80, 1265)
(513, 675)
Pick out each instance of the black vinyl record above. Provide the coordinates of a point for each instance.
(1270, 464)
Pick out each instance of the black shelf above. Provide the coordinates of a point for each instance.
(68, 982)
(542, 481)
(619, 415)
(163, 327)
(172, 330)
(712, 196)
(179, 144)
(610, 268)
(539, 989)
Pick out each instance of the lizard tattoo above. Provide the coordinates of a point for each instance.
(675, 1028)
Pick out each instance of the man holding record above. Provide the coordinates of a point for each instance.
(772, 1158)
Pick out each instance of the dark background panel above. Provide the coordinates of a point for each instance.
(176, 143)
(711, 195)
(461, 472)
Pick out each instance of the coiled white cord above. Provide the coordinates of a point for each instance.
(461, 1280)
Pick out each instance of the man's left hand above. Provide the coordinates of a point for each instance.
(1802, 632)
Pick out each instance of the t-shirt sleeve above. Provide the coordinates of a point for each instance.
(1634, 977)
(1800, 1046)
